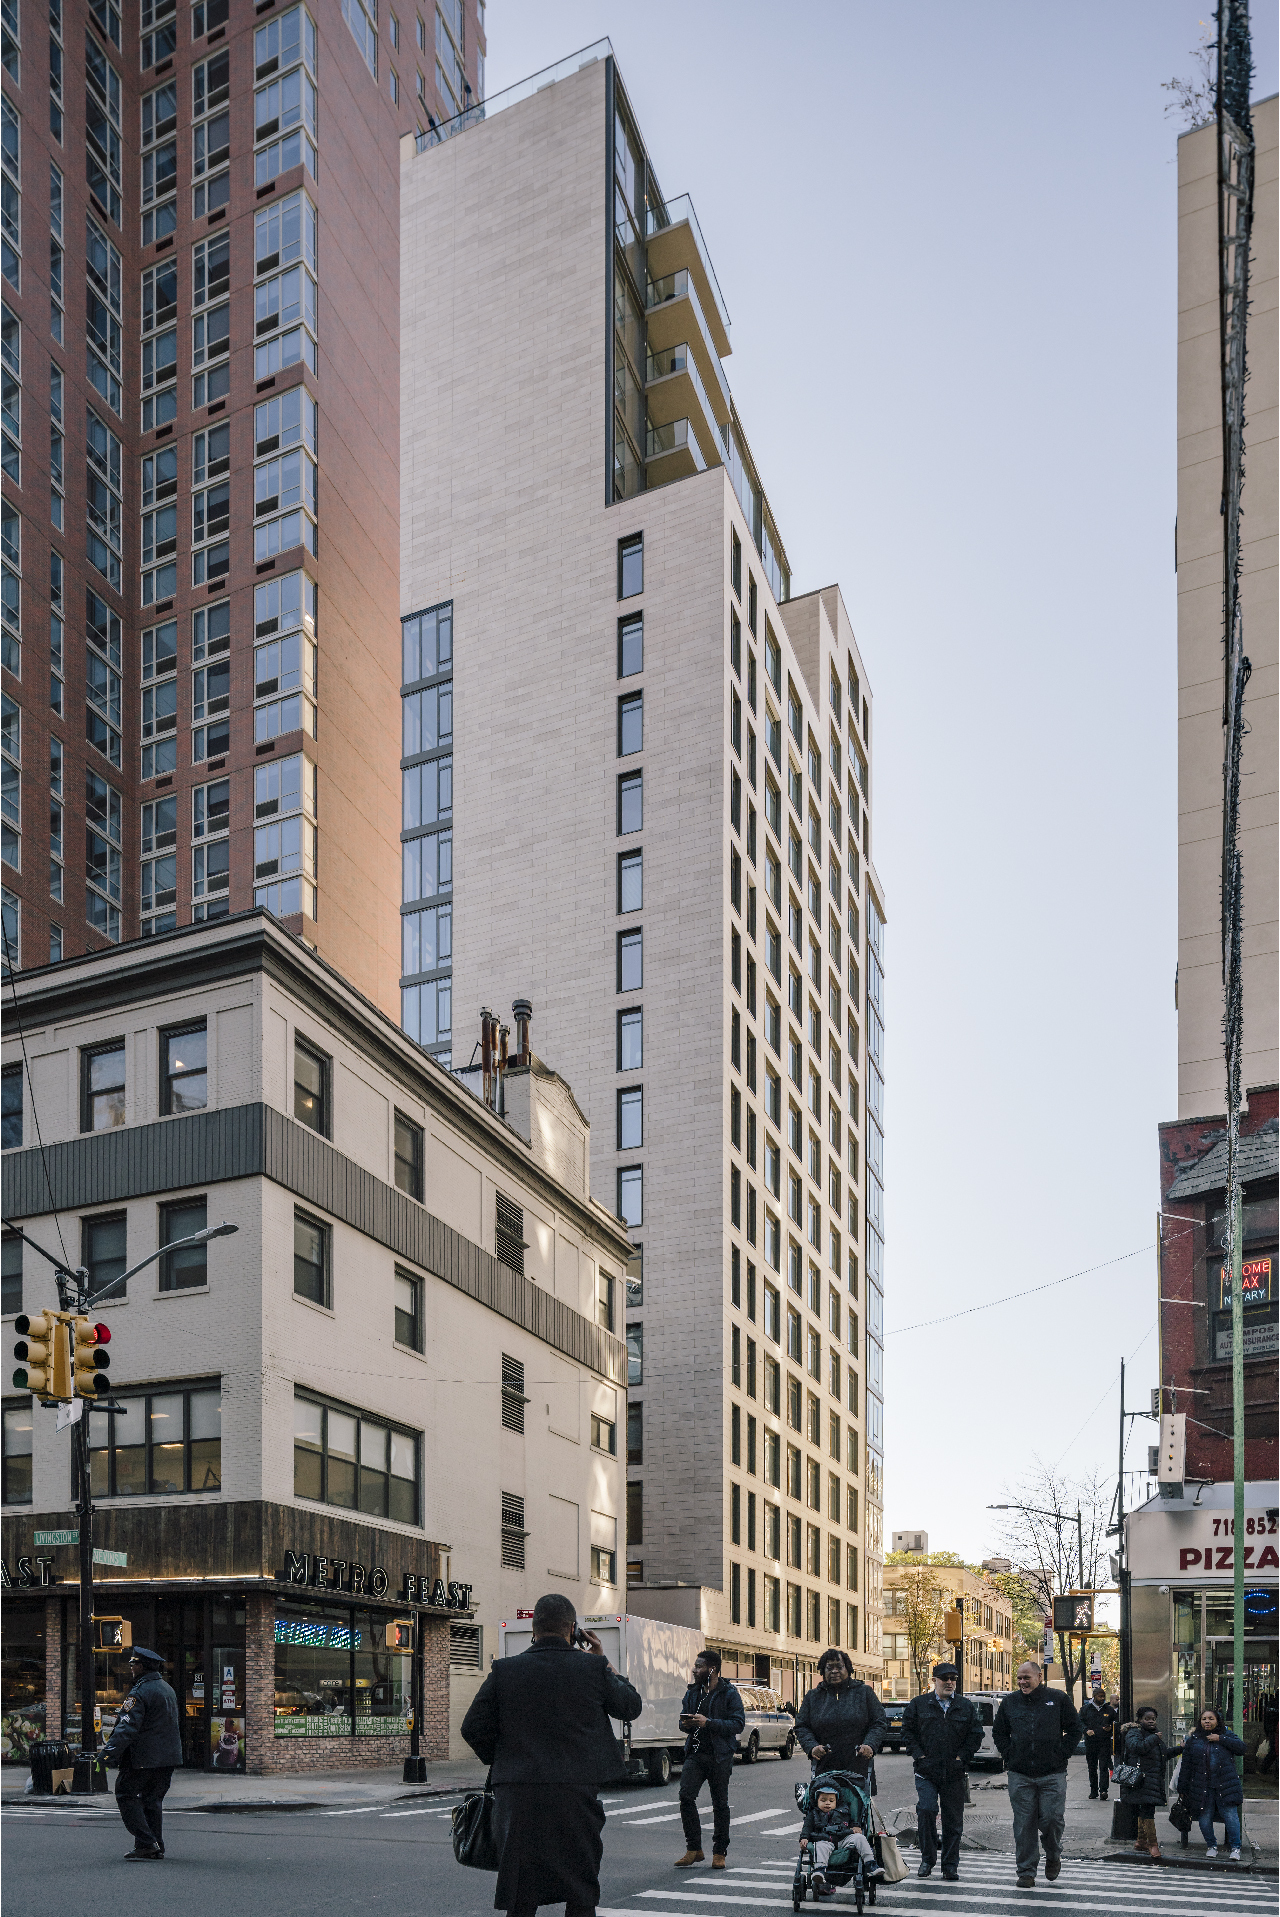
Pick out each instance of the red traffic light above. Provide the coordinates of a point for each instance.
(102, 1334)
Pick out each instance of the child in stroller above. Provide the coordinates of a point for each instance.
(834, 1847)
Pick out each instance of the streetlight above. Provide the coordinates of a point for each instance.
(1063, 1517)
(74, 1294)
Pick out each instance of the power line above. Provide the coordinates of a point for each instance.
(1012, 1297)
(1107, 1393)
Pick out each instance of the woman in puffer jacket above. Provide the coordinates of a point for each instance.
(1208, 1782)
(1141, 1745)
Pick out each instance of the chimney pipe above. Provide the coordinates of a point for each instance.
(488, 1029)
(522, 1012)
(504, 1033)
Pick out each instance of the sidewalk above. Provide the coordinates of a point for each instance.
(210, 1791)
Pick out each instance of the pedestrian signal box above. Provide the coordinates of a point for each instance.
(400, 1634)
(112, 1633)
(1073, 1613)
(953, 1626)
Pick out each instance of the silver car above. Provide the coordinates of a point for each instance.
(768, 1726)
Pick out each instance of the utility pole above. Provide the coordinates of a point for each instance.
(1126, 1650)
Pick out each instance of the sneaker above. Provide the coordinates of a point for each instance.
(690, 1857)
(818, 1881)
(1213, 1851)
(1234, 1857)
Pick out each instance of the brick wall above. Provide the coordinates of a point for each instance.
(53, 1666)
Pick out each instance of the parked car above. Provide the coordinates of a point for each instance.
(987, 1757)
(768, 1727)
(893, 1709)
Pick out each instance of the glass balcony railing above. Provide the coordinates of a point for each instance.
(675, 437)
(511, 96)
(680, 286)
(678, 359)
(673, 214)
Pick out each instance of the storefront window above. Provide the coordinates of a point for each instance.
(383, 1682)
(22, 1681)
(1186, 1646)
(313, 1672)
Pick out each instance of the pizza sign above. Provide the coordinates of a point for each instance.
(1255, 1284)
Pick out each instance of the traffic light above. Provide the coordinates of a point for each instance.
(112, 1633)
(43, 1352)
(90, 1362)
(953, 1626)
(400, 1634)
(1073, 1613)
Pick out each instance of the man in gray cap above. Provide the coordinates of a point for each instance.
(146, 1743)
(941, 1731)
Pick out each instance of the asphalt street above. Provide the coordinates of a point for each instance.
(400, 1856)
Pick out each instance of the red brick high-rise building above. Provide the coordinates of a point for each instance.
(201, 615)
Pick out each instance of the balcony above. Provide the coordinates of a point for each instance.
(675, 244)
(674, 390)
(672, 452)
(675, 317)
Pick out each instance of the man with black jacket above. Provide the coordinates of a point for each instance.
(1099, 1720)
(541, 1722)
(713, 1717)
(1035, 1732)
(941, 1732)
(147, 1745)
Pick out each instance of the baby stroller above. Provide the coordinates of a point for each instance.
(845, 1865)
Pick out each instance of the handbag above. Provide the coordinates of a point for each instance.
(474, 1843)
(1179, 1815)
(1128, 1776)
(888, 1851)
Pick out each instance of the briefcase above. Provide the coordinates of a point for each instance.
(474, 1843)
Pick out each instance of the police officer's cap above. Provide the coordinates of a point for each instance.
(945, 1670)
(144, 1656)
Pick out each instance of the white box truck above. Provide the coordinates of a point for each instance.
(658, 1659)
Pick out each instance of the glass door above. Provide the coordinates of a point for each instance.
(1259, 1675)
(225, 1685)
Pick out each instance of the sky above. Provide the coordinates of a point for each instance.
(948, 249)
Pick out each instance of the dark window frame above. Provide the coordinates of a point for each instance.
(629, 1012)
(630, 1095)
(11, 1301)
(88, 1053)
(415, 1163)
(632, 940)
(198, 1255)
(635, 857)
(169, 1078)
(627, 782)
(628, 624)
(88, 1223)
(362, 1417)
(635, 1436)
(139, 1405)
(415, 1341)
(627, 547)
(629, 704)
(325, 1096)
(10, 1494)
(13, 1075)
(325, 1300)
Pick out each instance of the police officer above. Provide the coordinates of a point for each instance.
(146, 1743)
(1099, 1720)
(941, 1732)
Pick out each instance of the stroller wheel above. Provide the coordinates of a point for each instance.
(857, 1896)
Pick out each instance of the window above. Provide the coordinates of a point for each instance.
(630, 802)
(635, 1355)
(631, 1040)
(631, 566)
(311, 1265)
(408, 1150)
(11, 1298)
(604, 1548)
(184, 1073)
(168, 1441)
(630, 961)
(630, 724)
(103, 1250)
(630, 645)
(408, 1310)
(310, 1087)
(635, 1442)
(102, 1086)
(605, 1289)
(630, 881)
(509, 1245)
(631, 1195)
(17, 1438)
(604, 1434)
(513, 1532)
(735, 562)
(342, 1458)
(186, 1269)
(514, 1399)
(631, 1118)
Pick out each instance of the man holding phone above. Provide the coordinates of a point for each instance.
(713, 1719)
(541, 1723)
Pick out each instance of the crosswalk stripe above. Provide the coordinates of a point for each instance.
(634, 1823)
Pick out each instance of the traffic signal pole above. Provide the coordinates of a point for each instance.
(88, 1669)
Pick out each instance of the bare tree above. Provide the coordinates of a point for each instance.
(1054, 1554)
(922, 1600)
(1195, 98)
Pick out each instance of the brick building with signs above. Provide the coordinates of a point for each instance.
(395, 1392)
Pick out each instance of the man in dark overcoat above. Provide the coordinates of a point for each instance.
(147, 1745)
(541, 1722)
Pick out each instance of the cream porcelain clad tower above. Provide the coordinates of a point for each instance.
(659, 830)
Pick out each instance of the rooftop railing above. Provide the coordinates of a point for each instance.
(672, 214)
(511, 96)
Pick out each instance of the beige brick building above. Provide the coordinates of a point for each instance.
(661, 835)
(388, 1394)
(985, 1657)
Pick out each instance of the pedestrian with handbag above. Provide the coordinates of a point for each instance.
(541, 1723)
(1209, 1783)
(1140, 1775)
(941, 1732)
